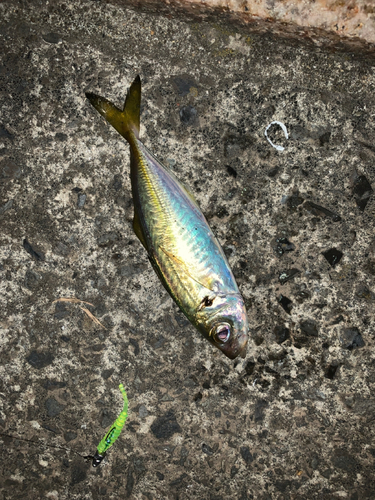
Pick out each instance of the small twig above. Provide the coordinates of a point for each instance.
(91, 316)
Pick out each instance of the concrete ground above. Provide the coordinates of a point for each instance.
(295, 419)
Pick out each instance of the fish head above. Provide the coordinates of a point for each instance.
(224, 323)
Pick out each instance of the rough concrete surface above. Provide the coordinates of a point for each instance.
(295, 419)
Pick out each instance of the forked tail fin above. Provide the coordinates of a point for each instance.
(125, 121)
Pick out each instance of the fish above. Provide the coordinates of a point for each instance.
(181, 247)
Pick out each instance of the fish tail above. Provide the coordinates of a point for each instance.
(125, 121)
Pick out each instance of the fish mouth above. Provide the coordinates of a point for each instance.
(237, 348)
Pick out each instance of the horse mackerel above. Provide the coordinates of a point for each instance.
(182, 249)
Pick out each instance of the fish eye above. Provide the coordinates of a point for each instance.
(221, 333)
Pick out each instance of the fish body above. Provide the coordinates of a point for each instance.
(182, 249)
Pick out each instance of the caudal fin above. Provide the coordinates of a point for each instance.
(125, 121)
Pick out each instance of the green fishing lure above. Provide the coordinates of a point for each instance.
(104, 444)
(113, 432)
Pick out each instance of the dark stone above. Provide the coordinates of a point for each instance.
(302, 295)
(178, 481)
(287, 275)
(50, 429)
(61, 249)
(183, 455)
(362, 191)
(61, 310)
(324, 138)
(4, 133)
(130, 270)
(107, 239)
(160, 476)
(188, 115)
(246, 455)
(207, 449)
(53, 407)
(326, 473)
(31, 280)
(231, 171)
(283, 245)
(165, 426)
(273, 172)
(344, 461)
(129, 482)
(281, 333)
(139, 466)
(338, 320)
(117, 182)
(6, 206)
(198, 397)
(294, 201)
(106, 418)
(222, 212)
(260, 406)
(158, 343)
(183, 84)
(333, 256)
(249, 368)
(107, 373)
(283, 485)
(364, 293)
(40, 359)
(61, 137)
(319, 211)
(258, 338)
(9, 170)
(135, 344)
(51, 385)
(351, 338)
(70, 436)
(285, 303)
(30, 250)
(52, 38)
(309, 327)
(233, 471)
(79, 474)
(81, 200)
(331, 370)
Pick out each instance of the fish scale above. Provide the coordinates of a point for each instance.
(181, 247)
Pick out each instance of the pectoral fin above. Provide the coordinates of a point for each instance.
(184, 269)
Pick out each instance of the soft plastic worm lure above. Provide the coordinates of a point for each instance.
(113, 432)
(104, 444)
